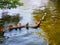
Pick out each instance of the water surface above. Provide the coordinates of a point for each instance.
(26, 37)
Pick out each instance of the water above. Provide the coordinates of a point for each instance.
(25, 37)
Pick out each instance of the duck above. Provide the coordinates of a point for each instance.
(14, 26)
(19, 26)
(27, 26)
(10, 27)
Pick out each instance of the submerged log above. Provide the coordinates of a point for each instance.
(19, 26)
(37, 24)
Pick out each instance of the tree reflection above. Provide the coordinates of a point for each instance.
(8, 19)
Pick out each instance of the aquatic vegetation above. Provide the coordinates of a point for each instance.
(51, 24)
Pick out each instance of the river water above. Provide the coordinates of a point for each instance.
(26, 37)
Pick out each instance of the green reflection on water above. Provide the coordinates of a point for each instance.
(51, 23)
(7, 19)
